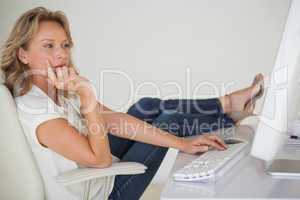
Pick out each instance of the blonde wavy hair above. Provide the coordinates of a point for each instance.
(23, 31)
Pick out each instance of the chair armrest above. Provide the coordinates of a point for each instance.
(84, 174)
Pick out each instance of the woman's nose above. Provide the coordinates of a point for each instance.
(61, 54)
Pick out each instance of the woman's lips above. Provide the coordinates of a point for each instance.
(58, 66)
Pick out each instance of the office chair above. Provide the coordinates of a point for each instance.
(20, 177)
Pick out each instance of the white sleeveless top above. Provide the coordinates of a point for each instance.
(36, 107)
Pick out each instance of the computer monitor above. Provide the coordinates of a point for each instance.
(282, 92)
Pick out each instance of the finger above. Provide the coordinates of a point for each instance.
(72, 72)
(59, 74)
(60, 80)
(65, 73)
(213, 144)
(48, 63)
(51, 74)
(218, 140)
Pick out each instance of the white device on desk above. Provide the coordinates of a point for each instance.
(213, 164)
(285, 168)
(281, 105)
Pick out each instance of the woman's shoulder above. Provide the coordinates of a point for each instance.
(30, 101)
(35, 104)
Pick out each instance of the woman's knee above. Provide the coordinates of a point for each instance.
(145, 108)
(133, 186)
(148, 103)
(155, 157)
(148, 154)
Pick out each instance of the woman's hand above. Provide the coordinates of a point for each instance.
(66, 78)
(202, 143)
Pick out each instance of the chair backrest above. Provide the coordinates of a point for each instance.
(19, 175)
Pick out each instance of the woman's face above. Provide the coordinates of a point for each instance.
(49, 45)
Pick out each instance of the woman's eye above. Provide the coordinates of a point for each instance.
(48, 46)
(67, 45)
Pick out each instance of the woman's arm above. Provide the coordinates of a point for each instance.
(92, 150)
(97, 135)
(126, 126)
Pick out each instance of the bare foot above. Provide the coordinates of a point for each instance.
(242, 102)
(238, 99)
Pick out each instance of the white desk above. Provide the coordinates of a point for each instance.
(247, 179)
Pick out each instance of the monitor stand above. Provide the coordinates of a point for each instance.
(286, 165)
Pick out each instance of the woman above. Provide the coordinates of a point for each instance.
(67, 127)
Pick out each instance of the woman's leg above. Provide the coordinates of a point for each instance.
(119, 146)
(239, 101)
(211, 106)
(133, 186)
(149, 108)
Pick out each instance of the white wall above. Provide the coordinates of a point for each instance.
(223, 42)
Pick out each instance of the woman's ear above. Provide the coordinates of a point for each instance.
(22, 55)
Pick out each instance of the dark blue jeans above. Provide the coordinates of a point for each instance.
(181, 117)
